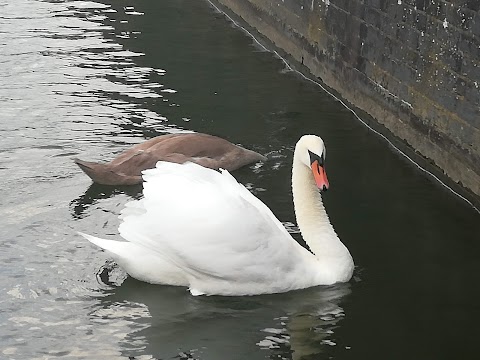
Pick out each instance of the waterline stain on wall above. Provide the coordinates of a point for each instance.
(414, 65)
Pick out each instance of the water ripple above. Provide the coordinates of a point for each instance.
(66, 85)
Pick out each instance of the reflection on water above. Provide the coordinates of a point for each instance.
(170, 323)
(96, 192)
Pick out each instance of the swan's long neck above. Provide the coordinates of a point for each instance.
(312, 219)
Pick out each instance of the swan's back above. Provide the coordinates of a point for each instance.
(207, 150)
(221, 237)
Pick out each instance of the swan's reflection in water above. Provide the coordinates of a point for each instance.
(170, 323)
(97, 192)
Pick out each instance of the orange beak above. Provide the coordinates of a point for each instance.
(320, 176)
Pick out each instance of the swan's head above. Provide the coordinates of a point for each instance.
(310, 150)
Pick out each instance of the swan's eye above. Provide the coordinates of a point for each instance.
(314, 157)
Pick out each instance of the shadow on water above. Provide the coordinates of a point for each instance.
(293, 325)
(97, 192)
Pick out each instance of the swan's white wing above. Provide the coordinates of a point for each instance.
(212, 228)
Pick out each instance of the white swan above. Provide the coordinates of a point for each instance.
(199, 228)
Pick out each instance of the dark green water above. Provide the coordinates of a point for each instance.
(89, 79)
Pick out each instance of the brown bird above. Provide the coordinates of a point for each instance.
(206, 150)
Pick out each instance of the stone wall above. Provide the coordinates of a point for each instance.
(414, 65)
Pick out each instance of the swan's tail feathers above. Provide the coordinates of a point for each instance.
(92, 169)
(116, 248)
(102, 174)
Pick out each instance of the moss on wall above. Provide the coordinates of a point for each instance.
(414, 65)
